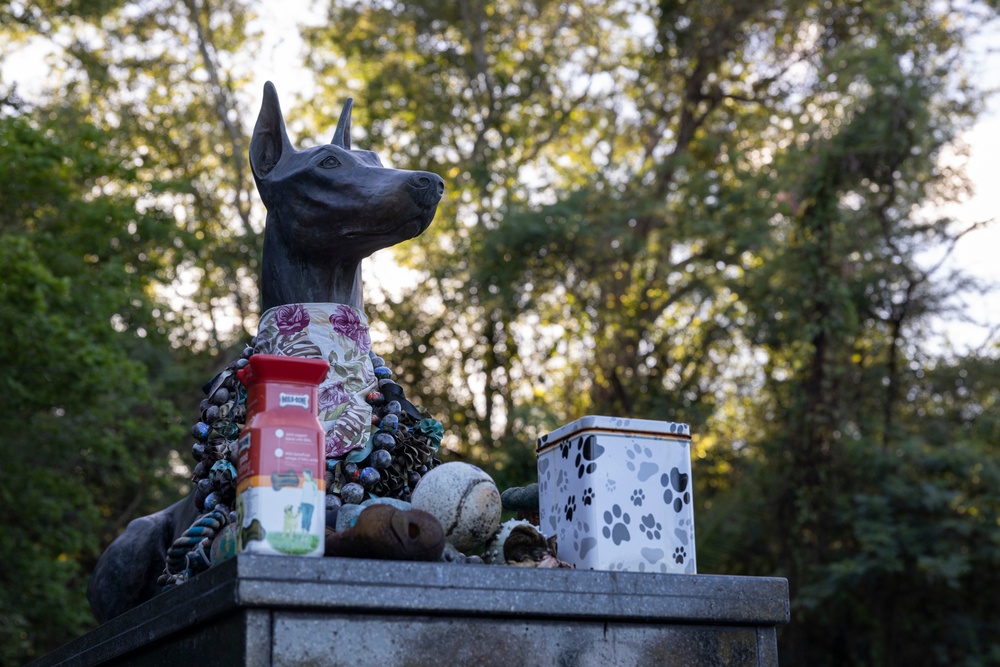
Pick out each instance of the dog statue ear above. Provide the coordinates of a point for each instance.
(269, 141)
(342, 136)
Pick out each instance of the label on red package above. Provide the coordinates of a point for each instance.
(281, 494)
(295, 400)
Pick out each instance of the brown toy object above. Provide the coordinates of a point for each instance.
(385, 532)
(526, 547)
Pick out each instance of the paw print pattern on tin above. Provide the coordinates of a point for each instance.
(570, 508)
(616, 525)
(652, 555)
(646, 468)
(675, 491)
(650, 527)
(562, 481)
(587, 453)
(683, 530)
(582, 542)
(544, 476)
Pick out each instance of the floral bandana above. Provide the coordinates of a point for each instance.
(338, 333)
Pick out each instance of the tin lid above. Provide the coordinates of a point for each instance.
(617, 425)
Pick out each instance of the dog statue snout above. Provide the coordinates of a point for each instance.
(426, 188)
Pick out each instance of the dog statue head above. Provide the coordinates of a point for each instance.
(329, 207)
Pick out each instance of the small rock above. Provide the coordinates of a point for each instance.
(453, 555)
(211, 414)
(389, 423)
(381, 459)
(384, 441)
(200, 431)
(211, 500)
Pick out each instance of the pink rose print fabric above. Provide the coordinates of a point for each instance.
(351, 323)
(338, 333)
(291, 319)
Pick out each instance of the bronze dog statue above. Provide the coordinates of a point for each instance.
(329, 207)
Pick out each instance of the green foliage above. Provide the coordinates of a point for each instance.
(165, 79)
(162, 81)
(123, 188)
(908, 543)
(476, 92)
(717, 217)
(674, 210)
(82, 420)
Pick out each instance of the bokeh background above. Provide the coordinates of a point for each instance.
(756, 217)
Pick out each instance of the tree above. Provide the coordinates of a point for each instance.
(81, 418)
(477, 92)
(162, 77)
(123, 189)
(674, 210)
(836, 306)
(722, 225)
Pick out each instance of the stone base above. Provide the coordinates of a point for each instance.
(271, 610)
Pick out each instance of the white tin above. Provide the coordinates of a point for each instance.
(617, 494)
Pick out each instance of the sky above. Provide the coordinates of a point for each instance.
(979, 252)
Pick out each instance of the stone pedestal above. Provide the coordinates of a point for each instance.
(268, 610)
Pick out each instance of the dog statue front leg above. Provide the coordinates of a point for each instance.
(126, 574)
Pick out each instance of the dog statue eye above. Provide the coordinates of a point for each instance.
(329, 162)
